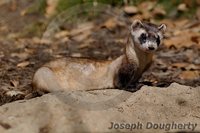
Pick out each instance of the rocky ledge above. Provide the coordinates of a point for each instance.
(173, 109)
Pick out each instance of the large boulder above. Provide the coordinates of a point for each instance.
(175, 108)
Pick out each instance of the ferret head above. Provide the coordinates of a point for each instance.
(146, 36)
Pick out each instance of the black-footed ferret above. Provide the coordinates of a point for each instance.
(89, 74)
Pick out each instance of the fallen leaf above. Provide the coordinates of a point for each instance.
(130, 9)
(191, 23)
(23, 12)
(82, 36)
(86, 43)
(123, 41)
(182, 7)
(45, 41)
(23, 55)
(61, 34)
(147, 5)
(76, 55)
(83, 45)
(4, 88)
(188, 3)
(23, 64)
(65, 39)
(81, 28)
(179, 65)
(14, 83)
(183, 40)
(13, 36)
(137, 16)
(31, 51)
(51, 7)
(195, 39)
(172, 42)
(13, 7)
(13, 93)
(168, 23)
(147, 14)
(36, 40)
(198, 2)
(192, 67)
(159, 11)
(181, 23)
(50, 51)
(108, 24)
(198, 13)
(189, 74)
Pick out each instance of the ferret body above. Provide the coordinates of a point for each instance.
(88, 74)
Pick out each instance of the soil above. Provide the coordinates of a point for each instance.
(105, 46)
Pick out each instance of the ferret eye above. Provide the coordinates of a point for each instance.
(143, 36)
(158, 40)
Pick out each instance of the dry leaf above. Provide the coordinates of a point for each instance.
(36, 40)
(188, 3)
(61, 34)
(13, 36)
(49, 50)
(181, 23)
(31, 51)
(51, 7)
(13, 93)
(76, 55)
(147, 5)
(147, 14)
(23, 12)
(23, 55)
(123, 41)
(198, 2)
(108, 24)
(168, 23)
(172, 42)
(14, 83)
(23, 64)
(65, 39)
(130, 9)
(195, 39)
(191, 23)
(159, 11)
(198, 13)
(189, 74)
(81, 28)
(84, 45)
(179, 65)
(13, 7)
(192, 67)
(82, 36)
(137, 16)
(182, 7)
(45, 41)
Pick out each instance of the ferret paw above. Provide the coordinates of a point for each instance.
(134, 88)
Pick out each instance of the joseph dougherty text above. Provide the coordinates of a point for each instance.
(151, 125)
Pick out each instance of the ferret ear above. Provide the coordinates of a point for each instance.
(162, 28)
(136, 24)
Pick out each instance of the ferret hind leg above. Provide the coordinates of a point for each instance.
(44, 82)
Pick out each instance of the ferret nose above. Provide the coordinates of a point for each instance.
(151, 48)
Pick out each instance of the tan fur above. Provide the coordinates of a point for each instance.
(88, 74)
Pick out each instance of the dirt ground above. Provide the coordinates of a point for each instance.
(105, 43)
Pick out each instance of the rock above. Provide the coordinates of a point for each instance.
(96, 111)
